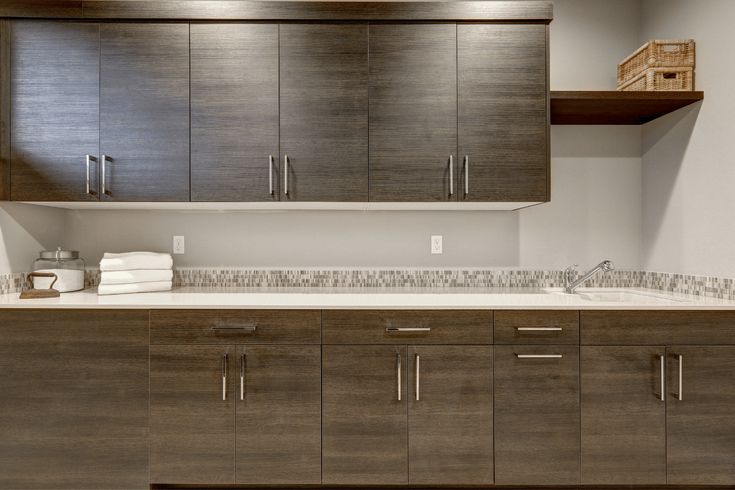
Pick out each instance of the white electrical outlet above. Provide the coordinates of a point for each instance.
(179, 245)
(436, 245)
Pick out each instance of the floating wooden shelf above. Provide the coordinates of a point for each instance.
(613, 107)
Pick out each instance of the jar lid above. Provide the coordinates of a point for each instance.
(59, 254)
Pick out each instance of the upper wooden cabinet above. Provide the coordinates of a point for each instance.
(234, 112)
(502, 112)
(324, 112)
(413, 112)
(144, 112)
(54, 111)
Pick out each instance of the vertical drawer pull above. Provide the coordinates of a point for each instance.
(242, 377)
(89, 159)
(407, 329)
(662, 360)
(398, 374)
(103, 174)
(539, 356)
(681, 378)
(224, 377)
(539, 329)
(418, 373)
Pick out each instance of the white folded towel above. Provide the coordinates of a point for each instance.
(143, 287)
(137, 276)
(135, 260)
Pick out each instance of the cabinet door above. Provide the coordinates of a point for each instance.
(192, 414)
(701, 425)
(144, 111)
(413, 112)
(623, 416)
(234, 112)
(503, 122)
(324, 112)
(364, 418)
(536, 415)
(54, 110)
(450, 415)
(74, 399)
(278, 418)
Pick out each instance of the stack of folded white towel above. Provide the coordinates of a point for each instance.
(135, 272)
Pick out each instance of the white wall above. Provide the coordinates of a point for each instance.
(688, 164)
(24, 230)
(594, 213)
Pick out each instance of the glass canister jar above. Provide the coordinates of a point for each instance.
(66, 264)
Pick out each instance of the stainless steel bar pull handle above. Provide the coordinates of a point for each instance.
(224, 377)
(451, 175)
(235, 329)
(285, 174)
(539, 356)
(539, 329)
(466, 175)
(407, 329)
(398, 371)
(418, 373)
(103, 174)
(680, 396)
(662, 360)
(89, 159)
(270, 174)
(242, 377)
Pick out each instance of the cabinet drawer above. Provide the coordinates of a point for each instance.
(537, 327)
(235, 327)
(657, 327)
(407, 327)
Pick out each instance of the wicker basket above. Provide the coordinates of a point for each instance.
(661, 79)
(657, 54)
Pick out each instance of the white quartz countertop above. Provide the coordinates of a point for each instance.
(314, 298)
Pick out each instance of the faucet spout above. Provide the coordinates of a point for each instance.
(571, 286)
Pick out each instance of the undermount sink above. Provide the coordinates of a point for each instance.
(621, 296)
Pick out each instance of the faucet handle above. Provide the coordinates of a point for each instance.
(570, 274)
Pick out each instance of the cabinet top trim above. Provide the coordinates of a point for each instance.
(497, 11)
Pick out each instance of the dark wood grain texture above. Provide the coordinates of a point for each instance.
(623, 416)
(234, 112)
(450, 426)
(278, 421)
(511, 327)
(364, 425)
(540, 11)
(369, 326)
(413, 112)
(192, 427)
(55, 110)
(59, 9)
(657, 327)
(74, 400)
(221, 327)
(144, 111)
(537, 416)
(611, 107)
(502, 111)
(324, 112)
(4, 110)
(701, 427)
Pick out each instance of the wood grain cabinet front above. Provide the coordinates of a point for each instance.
(73, 399)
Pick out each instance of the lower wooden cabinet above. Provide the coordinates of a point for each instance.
(228, 414)
(700, 417)
(537, 415)
(623, 415)
(396, 414)
(73, 399)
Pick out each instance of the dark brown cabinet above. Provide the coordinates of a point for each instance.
(55, 106)
(537, 415)
(623, 415)
(74, 399)
(700, 417)
(413, 112)
(234, 112)
(502, 112)
(144, 112)
(324, 112)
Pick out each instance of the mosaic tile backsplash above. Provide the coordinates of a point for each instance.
(421, 278)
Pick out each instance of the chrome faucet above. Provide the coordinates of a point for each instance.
(570, 273)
